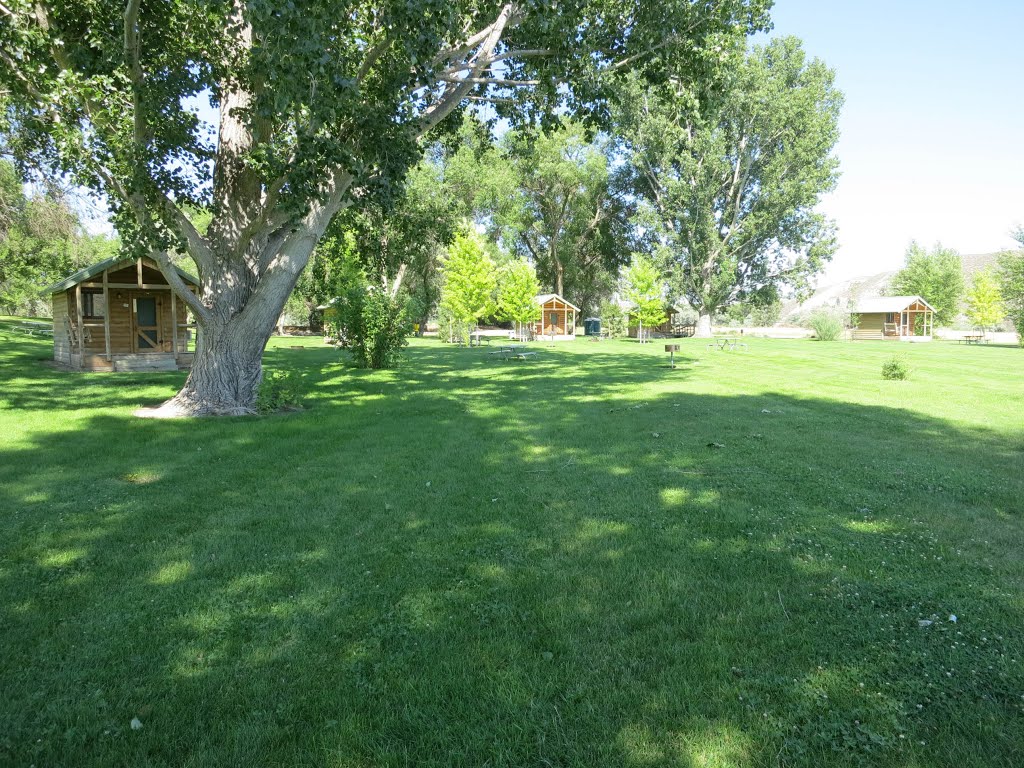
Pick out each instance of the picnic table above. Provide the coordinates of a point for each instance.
(726, 343)
(32, 327)
(972, 338)
(479, 338)
(513, 352)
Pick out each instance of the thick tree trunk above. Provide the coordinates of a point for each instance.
(703, 330)
(226, 372)
(559, 278)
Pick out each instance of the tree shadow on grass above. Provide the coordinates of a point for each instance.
(468, 568)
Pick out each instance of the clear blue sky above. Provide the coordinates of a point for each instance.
(932, 144)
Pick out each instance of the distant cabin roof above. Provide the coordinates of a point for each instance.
(116, 262)
(888, 304)
(544, 298)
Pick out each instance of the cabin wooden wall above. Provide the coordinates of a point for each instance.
(562, 325)
(120, 311)
(872, 326)
(61, 343)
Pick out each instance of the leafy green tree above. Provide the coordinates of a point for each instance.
(936, 275)
(552, 198)
(320, 106)
(985, 301)
(730, 192)
(469, 280)
(645, 290)
(41, 241)
(1011, 284)
(517, 293)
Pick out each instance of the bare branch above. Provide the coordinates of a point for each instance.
(520, 54)
(458, 91)
(489, 81)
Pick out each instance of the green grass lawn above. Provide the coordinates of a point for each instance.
(584, 559)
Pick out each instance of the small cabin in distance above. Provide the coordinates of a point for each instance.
(121, 315)
(671, 326)
(558, 318)
(900, 318)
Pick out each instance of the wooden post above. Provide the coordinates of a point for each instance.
(107, 317)
(78, 320)
(138, 271)
(174, 325)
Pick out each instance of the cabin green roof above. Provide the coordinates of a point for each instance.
(98, 269)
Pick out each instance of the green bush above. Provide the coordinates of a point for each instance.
(895, 369)
(374, 326)
(826, 324)
(279, 391)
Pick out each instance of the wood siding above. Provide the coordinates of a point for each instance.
(557, 319)
(61, 341)
(119, 320)
(872, 326)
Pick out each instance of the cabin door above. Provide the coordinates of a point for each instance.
(147, 329)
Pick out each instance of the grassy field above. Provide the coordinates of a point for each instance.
(585, 559)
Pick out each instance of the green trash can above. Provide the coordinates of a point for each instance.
(592, 326)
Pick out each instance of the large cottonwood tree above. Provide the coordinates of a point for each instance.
(731, 191)
(321, 104)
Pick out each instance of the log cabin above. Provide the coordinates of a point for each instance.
(121, 315)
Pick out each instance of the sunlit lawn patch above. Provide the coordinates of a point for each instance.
(582, 559)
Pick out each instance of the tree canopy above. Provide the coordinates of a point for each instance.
(469, 279)
(517, 290)
(645, 290)
(552, 197)
(984, 302)
(936, 275)
(41, 241)
(730, 191)
(320, 108)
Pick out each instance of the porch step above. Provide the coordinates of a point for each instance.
(145, 363)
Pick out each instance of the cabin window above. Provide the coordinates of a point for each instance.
(890, 317)
(93, 304)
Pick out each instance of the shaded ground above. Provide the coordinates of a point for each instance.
(469, 562)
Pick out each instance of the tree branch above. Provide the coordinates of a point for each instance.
(372, 56)
(131, 57)
(202, 313)
(489, 81)
(456, 92)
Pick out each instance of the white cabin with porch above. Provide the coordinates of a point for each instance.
(899, 318)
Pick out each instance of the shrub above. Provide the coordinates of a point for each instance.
(374, 327)
(827, 325)
(895, 369)
(279, 391)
